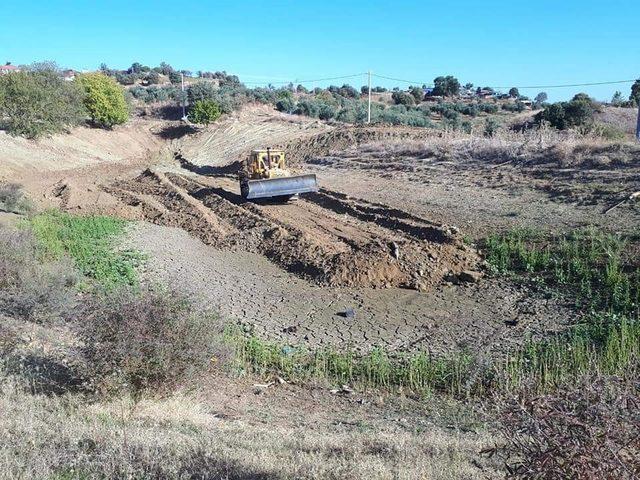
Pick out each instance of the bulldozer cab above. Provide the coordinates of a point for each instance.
(266, 164)
(266, 176)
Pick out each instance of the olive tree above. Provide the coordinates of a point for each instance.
(39, 102)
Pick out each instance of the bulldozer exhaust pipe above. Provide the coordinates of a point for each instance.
(279, 187)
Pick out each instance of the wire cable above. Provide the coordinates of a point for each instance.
(589, 84)
(308, 81)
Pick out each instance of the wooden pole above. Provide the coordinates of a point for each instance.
(369, 105)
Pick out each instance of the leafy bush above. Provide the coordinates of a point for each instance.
(327, 112)
(416, 93)
(491, 126)
(562, 115)
(124, 78)
(37, 103)
(286, 105)
(402, 98)
(488, 107)
(152, 78)
(151, 341)
(518, 107)
(204, 112)
(175, 77)
(104, 100)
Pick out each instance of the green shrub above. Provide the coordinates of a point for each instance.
(286, 105)
(104, 100)
(513, 92)
(124, 78)
(175, 77)
(491, 126)
(488, 107)
(576, 113)
(402, 98)
(37, 103)
(327, 112)
(152, 78)
(416, 93)
(204, 112)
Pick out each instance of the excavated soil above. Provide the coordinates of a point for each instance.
(325, 237)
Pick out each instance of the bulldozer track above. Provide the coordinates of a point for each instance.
(325, 237)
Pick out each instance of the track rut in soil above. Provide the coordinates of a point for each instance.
(325, 237)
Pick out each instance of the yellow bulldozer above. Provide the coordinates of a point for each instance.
(265, 175)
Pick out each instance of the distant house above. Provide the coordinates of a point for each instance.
(8, 68)
(69, 75)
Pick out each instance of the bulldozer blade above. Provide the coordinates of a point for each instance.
(280, 187)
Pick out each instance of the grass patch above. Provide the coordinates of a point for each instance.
(419, 372)
(589, 265)
(89, 241)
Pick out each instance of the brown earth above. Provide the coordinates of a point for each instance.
(384, 236)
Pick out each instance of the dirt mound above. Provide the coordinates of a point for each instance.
(325, 237)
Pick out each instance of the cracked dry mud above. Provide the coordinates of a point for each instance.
(282, 306)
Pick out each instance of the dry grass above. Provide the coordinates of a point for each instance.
(65, 437)
(531, 147)
(584, 432)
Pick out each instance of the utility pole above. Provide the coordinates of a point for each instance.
(369, 106)
(184, 114)
(638, 124)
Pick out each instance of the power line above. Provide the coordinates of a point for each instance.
(413, 82)
(519, 87)
(399, 80)
(309, 81)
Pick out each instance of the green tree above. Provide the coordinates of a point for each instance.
(204, 112)
(37, 103)
(402, 98)
(104, 100)
(635, 92)
(417, 93)
(448, 86)
(513, 92)
(617, 99)
(540, 98)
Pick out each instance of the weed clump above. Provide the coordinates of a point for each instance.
(29, 289)
(89, 241)
(586, 431)
(12, 198)
(146, 341)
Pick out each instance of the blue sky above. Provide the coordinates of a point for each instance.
(500, 43)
